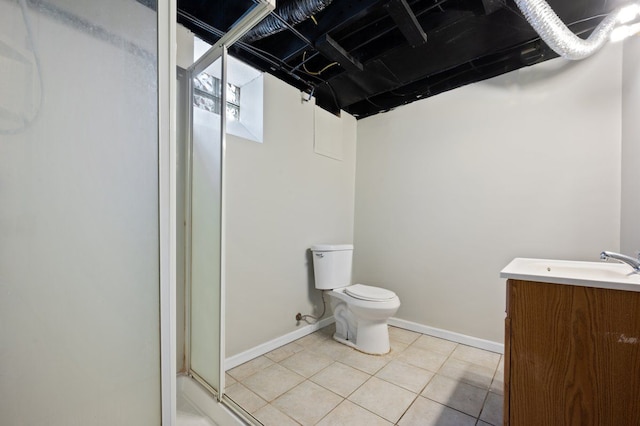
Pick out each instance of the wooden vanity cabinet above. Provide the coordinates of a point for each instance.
(572, 355)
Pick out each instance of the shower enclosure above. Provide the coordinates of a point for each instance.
(206, 86)
(83, 212)
(205, 273)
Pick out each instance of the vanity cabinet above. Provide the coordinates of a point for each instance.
(572, 355)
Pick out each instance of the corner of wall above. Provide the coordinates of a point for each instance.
(630, 155)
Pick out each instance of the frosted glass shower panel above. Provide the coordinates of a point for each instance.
(79, 263)
(205, 229)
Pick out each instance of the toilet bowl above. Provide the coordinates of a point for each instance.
(361, 312)
(362, 323)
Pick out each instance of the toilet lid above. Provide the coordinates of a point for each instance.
(367, 292)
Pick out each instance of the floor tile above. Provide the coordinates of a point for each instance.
(383, 398)
(424, 412)
(340, 378)
(271, 416)
(492, 411)
(402, 335)
(396, 348)
(245, 398)
(330, 348)
(453, 380)
(228, 380)
(434, 344)
(476, 356)
(427, 360)
(307, 403)
(250, 368)
(404, 375)
(368, 363)
(348, 413)
(497, 385)
(452, 393)
(306, 363)
(272, 382)
(284, 352)
(466, 372)
(311, 339)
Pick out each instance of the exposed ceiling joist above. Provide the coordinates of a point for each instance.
(380, 45)
(332, 50)
(405, 19)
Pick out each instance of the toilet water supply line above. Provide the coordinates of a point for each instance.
(563, 41)
(300, 317)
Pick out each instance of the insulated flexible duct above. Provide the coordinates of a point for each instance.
(293, 12)
(560, 38)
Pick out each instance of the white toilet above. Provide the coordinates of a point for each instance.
(361, 312)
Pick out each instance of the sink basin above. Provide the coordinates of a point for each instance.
(591, 274)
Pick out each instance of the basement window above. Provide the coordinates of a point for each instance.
(206, 95)
(245, 95)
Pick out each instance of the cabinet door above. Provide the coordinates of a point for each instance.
(574, 355)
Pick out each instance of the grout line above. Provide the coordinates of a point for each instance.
(484, 403)
(407, 409)
(417, 395)
(450, 356)
(360, 386)
(455, 409)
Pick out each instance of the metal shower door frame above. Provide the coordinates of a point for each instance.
(217, 51)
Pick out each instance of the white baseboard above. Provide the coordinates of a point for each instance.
(449, 335)
(256, 351)
(249, 354)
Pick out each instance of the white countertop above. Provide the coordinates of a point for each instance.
(609, 274)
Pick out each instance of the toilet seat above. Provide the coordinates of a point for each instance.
(370, 293)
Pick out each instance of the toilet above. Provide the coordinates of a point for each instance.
(361, 312)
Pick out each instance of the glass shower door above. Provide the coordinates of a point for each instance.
(205, 275)
(207, 144)
(79, 217)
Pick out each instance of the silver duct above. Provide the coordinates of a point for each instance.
(560, 38)
(293, 12)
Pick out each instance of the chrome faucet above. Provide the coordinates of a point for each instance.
(634, 263)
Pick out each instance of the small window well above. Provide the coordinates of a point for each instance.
(245, 86)
(206, 95)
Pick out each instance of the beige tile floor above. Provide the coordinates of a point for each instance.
(422, 381)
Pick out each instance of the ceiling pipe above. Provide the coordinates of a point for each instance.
(289, 14)
(561, 39)
(237, 31)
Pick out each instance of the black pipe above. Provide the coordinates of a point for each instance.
(292, 11)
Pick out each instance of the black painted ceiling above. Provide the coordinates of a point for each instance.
(383, 58)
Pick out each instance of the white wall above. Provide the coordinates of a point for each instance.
(630, 226)
(79, 263)
(450, 189)
(281, 198)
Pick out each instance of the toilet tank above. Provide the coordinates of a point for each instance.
(332, 265)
